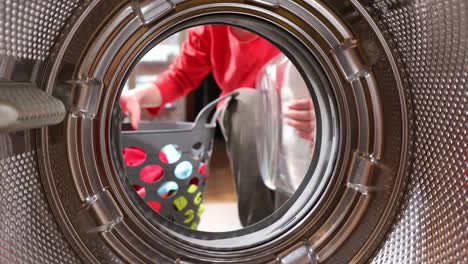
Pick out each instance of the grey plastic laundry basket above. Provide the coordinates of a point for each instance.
(171, 174)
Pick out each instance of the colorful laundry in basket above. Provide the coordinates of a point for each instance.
(169, 154)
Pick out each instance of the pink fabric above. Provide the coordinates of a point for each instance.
(155, 205)
(151, 173)
(234, 63)
(202, 170)
(141, 191)
(134, 156)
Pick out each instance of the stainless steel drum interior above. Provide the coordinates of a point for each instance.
(391, 99)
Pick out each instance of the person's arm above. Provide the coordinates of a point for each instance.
(189, 68)
(183, 75)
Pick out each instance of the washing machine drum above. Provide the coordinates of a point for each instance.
(387, 175)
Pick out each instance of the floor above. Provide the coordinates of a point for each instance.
(220, 199)
(219, 217)
(220, 184)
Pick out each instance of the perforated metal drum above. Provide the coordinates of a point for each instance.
(394, 74)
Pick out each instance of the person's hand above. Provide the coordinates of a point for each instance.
(132, 101)
(130, 104)
(300, 114)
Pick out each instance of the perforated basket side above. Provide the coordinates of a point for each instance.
(177, 193)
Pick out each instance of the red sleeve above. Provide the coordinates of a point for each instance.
(189, 67)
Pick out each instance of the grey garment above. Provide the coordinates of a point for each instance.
(281, 198)
(237, 120)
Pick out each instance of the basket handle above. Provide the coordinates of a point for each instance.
(203, 116)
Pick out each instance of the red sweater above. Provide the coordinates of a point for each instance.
(234, 63)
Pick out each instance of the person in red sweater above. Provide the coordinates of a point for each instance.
(235, 57)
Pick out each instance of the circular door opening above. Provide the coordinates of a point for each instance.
(267, 128)
(264, 130)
